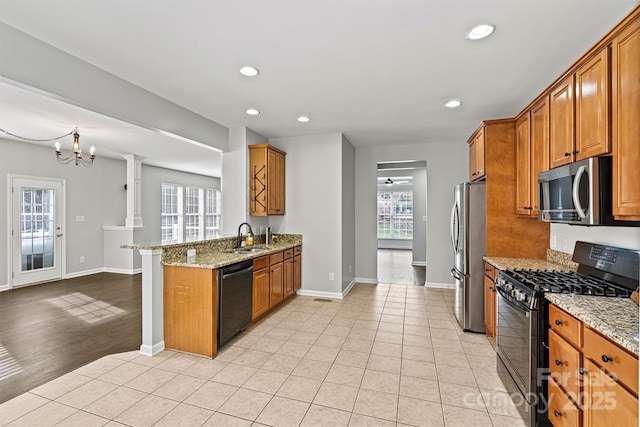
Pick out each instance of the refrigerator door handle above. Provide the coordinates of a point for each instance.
(457, 274)
(453, 231)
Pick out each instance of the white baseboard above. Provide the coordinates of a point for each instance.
(364, 280)
(436, 285)
(83, 273)
(348, 289)
(320, 294)
(4, 287)
(419, 263)
(152, 350)
(122, 270)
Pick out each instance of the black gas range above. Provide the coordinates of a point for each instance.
(522, 313)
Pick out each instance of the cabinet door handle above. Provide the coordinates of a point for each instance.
(582, 371)
(567, 154)
(557, 413)
(558, 362)
(575, 151)
(606, 358)
(558, 322)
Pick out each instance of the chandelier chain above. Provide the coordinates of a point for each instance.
(38, 140)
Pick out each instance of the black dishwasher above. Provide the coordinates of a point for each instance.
(235, 295)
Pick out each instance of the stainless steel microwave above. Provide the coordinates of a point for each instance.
(578, 193)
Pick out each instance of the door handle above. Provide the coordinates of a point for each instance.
(59, 234)
(576, 195)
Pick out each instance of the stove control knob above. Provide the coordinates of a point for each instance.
(522, 297)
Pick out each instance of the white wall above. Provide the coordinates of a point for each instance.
(566, 236)
(348, 213)
(97, 193)
(447, 165)
(314, 207)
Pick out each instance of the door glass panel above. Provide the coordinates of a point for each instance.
(37, 228)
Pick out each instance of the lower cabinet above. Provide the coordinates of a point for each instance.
(276, 277)
(489, 300)
(260, 301)
(593, 381)
(190, 310)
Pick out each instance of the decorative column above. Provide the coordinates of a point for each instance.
(152, 302)
(134, 190)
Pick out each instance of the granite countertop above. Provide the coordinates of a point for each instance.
(215, 257)
(503, 263)
(615, 318)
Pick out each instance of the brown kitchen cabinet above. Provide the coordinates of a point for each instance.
(276, 279)
(562, 123)
(593, 381)
(489, 300)
(477, 155)
(625, 69)
(297, 268)
(267, 170)
(288, 272)
(190, 310)
(593, 107)
(523, 165)
(260, 301)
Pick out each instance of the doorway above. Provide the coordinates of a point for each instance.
(401, 222)
(35, 226)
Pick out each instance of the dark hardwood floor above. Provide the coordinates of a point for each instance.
(53, 328)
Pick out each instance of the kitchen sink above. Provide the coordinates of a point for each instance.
(248, 250)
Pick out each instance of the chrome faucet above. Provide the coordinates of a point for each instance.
(249, 231)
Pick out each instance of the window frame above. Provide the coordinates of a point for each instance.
(391, 231)
(191, 214)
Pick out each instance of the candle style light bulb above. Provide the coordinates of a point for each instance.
(57, 146)
(93, 150)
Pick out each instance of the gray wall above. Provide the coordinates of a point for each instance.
(314, 199)
(348, 213)
(96, 193)
(447, 165)
(235, 184)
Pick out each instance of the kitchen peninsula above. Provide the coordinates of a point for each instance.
(209, 256)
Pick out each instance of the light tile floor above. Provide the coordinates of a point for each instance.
(386, 355)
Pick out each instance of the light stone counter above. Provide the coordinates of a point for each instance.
(615, 318)
(502, 263)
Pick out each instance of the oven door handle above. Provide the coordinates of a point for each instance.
(506, 297)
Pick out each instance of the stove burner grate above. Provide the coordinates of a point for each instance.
(567, 282)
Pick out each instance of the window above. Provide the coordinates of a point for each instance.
(189, 213)
(395, 214)
(213, 214)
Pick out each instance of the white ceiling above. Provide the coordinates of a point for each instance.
(377, 70)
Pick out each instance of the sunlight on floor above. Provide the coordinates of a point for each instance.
(85, 307)
(8, 365)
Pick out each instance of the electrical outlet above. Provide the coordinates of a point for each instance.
(349, 269)
(565, 244)
(554, 242)
(331, 277)
(80, 218)
(81, 259)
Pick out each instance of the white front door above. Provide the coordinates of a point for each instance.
(37, 217)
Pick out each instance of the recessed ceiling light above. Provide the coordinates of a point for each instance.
(303, 119)
(453, 103)
(249, 71)
(480, 31)
(252, 112)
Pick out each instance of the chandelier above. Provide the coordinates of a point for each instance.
(76, 151)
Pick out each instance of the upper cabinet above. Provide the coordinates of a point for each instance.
(625, 70)
(593, 109)
(477, 155)
(562, 123)
(266, 180)
(532, 156)
(580, 111)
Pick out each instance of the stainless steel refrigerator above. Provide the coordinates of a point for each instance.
(468, 237)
